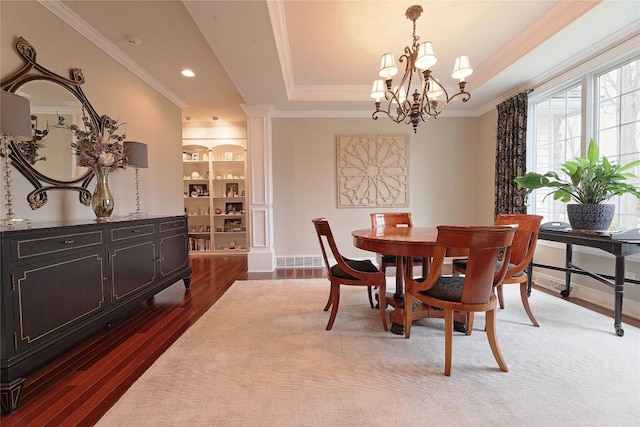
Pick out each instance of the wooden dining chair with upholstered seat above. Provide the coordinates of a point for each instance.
(346, 272)
(393, 219)
(470, 293)
(522, 250)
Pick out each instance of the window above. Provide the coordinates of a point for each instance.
(603, 104)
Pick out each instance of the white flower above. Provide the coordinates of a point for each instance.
(106, 159)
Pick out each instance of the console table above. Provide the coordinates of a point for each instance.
(63, 282)
(618, 244)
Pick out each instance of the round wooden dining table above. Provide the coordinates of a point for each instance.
(403, 242)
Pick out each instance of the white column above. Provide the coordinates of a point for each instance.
(260, 177)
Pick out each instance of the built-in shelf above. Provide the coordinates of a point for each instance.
(214, 198)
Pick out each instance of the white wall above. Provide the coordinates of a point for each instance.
(112, 90)
(447, 178)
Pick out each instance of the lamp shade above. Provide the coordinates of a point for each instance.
(378, 89)
(462, 68)
(426, 58)
(388, 67)
(136, 153)
(15, 117)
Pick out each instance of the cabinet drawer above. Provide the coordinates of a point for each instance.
(59, 244)
(132, 232)
(177, 225)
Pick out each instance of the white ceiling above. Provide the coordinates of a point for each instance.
(319, 58)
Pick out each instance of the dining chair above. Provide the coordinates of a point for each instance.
(470, 293)
(522, 250)
(346, 272)
(393, 219)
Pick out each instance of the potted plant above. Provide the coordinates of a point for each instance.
(592, 182)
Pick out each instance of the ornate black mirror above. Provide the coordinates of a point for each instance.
(48, 161)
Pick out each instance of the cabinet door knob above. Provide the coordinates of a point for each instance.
(135, 231)
(68, 242)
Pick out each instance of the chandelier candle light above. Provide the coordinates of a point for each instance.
(423, 104)
(15, 124)
(136, 154)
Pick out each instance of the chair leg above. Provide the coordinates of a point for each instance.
(426, 263)
(383, 309)
(525, 302)
(493, 339)
(335, 302)
(470, 318)
(500, 297)
(448, 340)
(408, 314)
(370, 296)
(326, 307)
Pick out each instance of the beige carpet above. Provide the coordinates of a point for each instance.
(261, 357)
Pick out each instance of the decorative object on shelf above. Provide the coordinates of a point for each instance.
(232, 224)
(233, 208)
(373, 170)
(195, 175)
(195, 156)
(231, 189)
(102, 199)
(228, 155)
(592, 181)
(198, 190)
(137, 156)
(421, 105)
(15, 124)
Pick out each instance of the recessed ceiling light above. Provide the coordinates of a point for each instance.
(188, 73)
(133, 40)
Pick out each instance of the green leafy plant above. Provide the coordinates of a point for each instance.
(592, 180)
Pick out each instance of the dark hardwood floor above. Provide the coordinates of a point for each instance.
(79, 387)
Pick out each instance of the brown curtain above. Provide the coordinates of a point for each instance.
(511, 156)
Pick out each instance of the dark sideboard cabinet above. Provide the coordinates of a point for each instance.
(63, 283)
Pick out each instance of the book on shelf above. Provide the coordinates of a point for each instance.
(199, 244)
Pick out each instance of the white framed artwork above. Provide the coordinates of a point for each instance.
(373, 170)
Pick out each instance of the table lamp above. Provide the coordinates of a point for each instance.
(136, 153)
(15, 125)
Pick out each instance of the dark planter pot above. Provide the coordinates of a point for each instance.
(590, 217)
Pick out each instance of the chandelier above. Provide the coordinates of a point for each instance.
(423, 104)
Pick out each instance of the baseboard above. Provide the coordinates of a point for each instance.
(603, 299)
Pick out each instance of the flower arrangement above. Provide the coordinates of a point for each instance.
(98, 147)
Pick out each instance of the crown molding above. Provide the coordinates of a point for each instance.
(91, 34)
(279, 29)
(561, 15)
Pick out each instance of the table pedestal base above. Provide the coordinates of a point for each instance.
(420, 311)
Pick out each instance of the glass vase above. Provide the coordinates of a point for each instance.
(102, 199)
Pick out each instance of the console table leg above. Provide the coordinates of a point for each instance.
(567, 275)
(187, 282)
(10, 394)
(529, 278)
(619, 293)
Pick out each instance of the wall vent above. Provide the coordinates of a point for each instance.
(299, 261)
